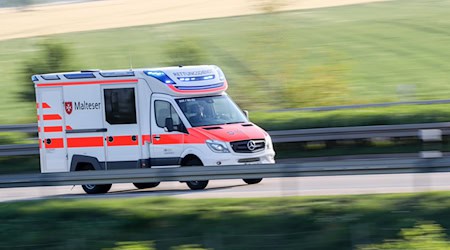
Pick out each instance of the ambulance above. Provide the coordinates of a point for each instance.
(102, 120)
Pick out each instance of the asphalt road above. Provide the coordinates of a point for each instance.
(273, 187)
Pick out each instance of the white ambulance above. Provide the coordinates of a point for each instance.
(143, 118)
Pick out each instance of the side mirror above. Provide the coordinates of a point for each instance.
(169, 125)
(245, 113)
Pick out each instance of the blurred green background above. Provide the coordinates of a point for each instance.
(370, 53)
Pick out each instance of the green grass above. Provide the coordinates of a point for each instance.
(405, 114)
(378, 52)
(340, 222)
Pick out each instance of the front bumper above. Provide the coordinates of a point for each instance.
(218, 159)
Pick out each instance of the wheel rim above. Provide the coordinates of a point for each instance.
(89, 186)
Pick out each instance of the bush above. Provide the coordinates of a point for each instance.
(53, 56)
(185, 51)
(422, 236)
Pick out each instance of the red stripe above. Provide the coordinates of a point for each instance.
(52, 117)
(55, 143)
(168, 139)
(146, 138)
(122, 141)
(85, 142)
(44, 105)
(68, 128)
(87, 82)
(53, 129)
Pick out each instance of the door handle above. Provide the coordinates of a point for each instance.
(156, 137)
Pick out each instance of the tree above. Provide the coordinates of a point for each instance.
(53, 56)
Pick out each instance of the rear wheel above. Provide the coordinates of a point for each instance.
(196, 185)
(146, 185)
(252, 181)
(93, 188)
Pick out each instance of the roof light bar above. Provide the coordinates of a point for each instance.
(196, 78)
(161, 76)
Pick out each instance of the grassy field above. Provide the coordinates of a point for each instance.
(342, 222)
(376, 52)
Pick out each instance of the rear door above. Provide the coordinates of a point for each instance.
(53, 145)
(123, 138)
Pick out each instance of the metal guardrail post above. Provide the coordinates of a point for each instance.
(431, 143)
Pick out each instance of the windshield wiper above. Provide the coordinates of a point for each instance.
(233, 122)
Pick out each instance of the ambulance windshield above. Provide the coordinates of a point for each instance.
(211, 110)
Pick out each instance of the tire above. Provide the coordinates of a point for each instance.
(252, 181)
(91, 188)
(96, 189)
(196, 185)
(146, 185)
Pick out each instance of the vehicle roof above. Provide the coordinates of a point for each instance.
(179, 81)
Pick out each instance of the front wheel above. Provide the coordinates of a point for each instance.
(146, 185)
(196, 185)
(96, 189)
(252, 181)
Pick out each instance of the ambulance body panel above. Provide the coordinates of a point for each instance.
(143, 118)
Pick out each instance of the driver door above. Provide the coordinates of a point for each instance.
(166, 147)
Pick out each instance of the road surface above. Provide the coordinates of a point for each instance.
(272, 187)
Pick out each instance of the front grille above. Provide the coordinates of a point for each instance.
(243, 146)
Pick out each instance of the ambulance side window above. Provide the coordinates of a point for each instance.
(165, 110)
(120, 106)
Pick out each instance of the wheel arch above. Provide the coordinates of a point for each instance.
(188, 158)
(80, 161)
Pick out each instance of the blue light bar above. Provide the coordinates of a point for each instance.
(34, 78)
(117, 73)
(196, 78)
(79, 75)
(211, 86)
(50, 77)
(161, 76)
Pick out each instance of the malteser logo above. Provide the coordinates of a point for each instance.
(69, 107)
(82, 106)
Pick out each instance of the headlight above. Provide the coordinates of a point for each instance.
(217, 146)
(269, 142)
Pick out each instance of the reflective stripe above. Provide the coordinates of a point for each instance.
(168, 139)
(52, 117)
(87, 83)
(44, 105)
(53, 129)
(146, 138)
(82, 142)
(55, 143)
(125, 140)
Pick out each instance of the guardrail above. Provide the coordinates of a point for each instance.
(350, 167)
(26, 128)
(359, 106)
(284, 136)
